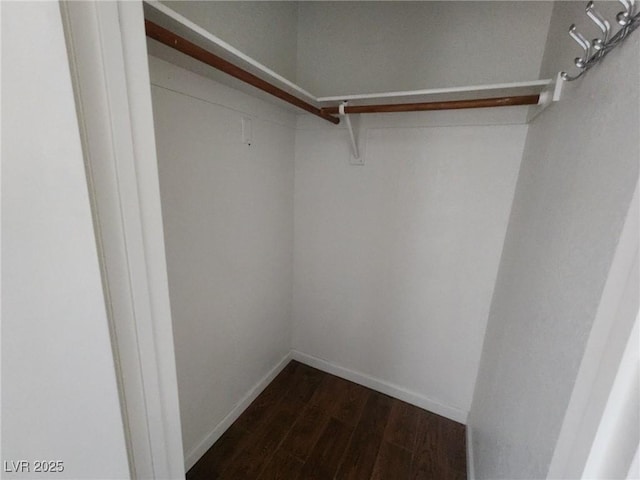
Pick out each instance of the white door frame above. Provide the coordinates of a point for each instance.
(108, 61)
(108, 56)
(603, 361)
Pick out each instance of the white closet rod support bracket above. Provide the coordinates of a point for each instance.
(354, 143)
(548, 96)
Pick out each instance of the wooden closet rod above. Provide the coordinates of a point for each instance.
(183, 45)
(448, 105)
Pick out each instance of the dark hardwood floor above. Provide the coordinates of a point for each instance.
(308, 424)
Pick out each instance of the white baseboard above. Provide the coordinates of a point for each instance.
(194, 455)
(371, 382)
(382, 386)
(471, 471)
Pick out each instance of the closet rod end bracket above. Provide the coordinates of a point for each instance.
(548, 96)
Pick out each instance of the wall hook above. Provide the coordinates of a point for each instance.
(624, 18)
(583, 43)
(601, 23)
(595, 51)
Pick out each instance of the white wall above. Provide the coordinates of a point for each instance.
(388, 274)
(266, 31)
(578, 173)
(59, 394)
(395, 261)
(228, 220)
(356, 47)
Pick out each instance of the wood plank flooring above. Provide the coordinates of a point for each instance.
(308, 424)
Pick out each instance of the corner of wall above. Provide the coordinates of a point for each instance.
(548, 39)
(382, 386)
(199, 450)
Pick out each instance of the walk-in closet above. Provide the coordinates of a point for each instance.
(371, 249)
(368, 240)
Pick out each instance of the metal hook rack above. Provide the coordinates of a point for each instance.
(598, 48)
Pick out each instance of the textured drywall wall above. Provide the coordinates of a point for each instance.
(59, 394)
(266, 31)
(228, 220)
(358, 47)
(578, 173)
(395, 261)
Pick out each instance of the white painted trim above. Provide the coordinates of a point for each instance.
(617, 439)
(169, 18)
(634, 468)
(471, 470)
(382, 386)
(550, 94)
(603, 353)
(197, 452)
(187, 26)
(375, 384)
(166, 432)
(108, 61)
